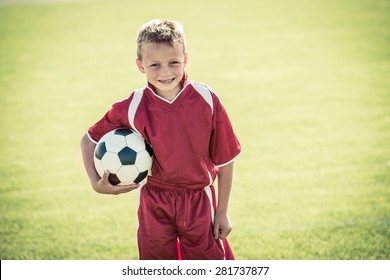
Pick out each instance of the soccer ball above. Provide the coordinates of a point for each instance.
(125, 154)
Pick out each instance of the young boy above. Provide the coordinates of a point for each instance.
(193, 142)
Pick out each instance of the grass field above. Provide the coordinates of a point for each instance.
(307, 87)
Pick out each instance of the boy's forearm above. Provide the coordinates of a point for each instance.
(225, 179)
(87, 150)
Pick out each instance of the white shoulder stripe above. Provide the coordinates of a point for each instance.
(204, 92)
(134, 106)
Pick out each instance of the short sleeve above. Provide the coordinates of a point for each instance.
(116, 117)
(224, 145)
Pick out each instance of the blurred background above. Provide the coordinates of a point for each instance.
(306, 85)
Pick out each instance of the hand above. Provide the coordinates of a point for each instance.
(222, 226)
(105, 187)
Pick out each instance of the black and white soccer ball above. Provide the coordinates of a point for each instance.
(125, 154)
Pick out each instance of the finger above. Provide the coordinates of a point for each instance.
(105, 176)
(128, 186)
(224, 233)
(125, 188)
(216, 230)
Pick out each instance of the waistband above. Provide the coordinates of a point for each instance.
(156, 185)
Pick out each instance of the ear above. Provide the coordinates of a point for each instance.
(140, 66)
(185, 58)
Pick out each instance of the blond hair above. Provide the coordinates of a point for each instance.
(161, 32)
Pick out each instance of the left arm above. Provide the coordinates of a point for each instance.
(222, 224)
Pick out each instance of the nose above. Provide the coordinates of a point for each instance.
(165, 71)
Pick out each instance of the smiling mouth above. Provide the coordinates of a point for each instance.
(166, 81)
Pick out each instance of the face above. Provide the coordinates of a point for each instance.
(164, 67)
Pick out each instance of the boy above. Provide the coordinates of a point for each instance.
(193, 142)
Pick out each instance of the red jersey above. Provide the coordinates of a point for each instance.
(191, 135)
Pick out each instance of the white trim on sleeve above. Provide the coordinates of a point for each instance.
(90, 138)
(230, 161)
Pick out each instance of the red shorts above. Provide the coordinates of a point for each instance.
(178, 224)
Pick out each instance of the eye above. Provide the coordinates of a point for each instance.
(154, 65)
(174, 62)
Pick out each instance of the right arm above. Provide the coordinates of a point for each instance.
(100, 185)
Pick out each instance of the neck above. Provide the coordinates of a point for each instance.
(169, 96)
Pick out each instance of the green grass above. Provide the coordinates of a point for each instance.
(306, 84)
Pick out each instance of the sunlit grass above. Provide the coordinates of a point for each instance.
(306, 86)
